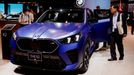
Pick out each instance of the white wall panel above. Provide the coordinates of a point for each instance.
(104, 4)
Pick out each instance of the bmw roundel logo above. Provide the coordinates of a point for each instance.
(80, 3)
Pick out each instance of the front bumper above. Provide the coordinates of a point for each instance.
(49, 63)
(65, 58)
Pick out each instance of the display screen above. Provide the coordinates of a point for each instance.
(15, 8)
(2, 8)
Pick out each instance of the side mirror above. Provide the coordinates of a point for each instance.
(93, 20)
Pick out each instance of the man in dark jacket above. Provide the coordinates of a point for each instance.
(116, 37)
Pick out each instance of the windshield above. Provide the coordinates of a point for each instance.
(63, 15)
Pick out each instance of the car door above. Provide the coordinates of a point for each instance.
(99, 29)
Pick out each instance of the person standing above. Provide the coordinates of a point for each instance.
(97, 13)
(118, 31)
(132, 27)
(24, 18)
(1, 16)
(31, 15)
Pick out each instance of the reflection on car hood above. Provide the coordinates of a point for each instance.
(49, 30)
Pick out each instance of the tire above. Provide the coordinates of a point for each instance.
(86, 58)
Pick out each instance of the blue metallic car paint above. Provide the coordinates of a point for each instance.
(100, 31)
(49, 29)
(56, 31)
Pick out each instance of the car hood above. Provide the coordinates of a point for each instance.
(49, 30)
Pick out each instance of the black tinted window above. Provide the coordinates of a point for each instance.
(66, 15)
(102, 14)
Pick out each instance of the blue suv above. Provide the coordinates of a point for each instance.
(60, 40)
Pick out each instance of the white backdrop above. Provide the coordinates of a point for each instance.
(104, 4)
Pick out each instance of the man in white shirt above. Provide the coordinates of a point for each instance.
(115, 17)
(116, 37)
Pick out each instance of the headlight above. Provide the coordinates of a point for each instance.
(71, 39)
(14, 36)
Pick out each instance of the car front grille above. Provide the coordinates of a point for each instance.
(48, 64)
(44, 45)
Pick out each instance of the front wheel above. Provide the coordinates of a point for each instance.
(86, 57)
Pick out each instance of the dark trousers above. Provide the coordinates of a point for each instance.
(132, 29)
(116, 39)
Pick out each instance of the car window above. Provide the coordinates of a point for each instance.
(102, 14)
(66, 15)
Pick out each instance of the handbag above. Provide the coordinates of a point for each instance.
(119, 26)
